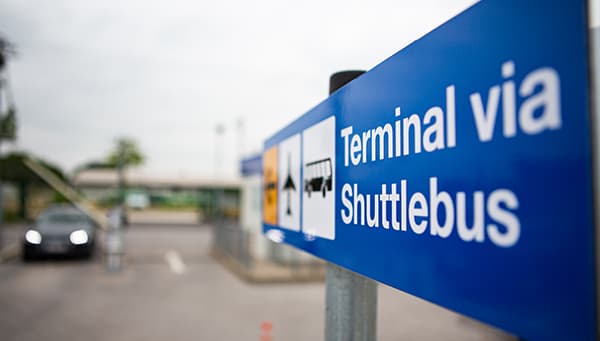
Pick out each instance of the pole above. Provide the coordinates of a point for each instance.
(241, 139)
(113, 244)
(351, 306)
(219, 150)
(124, 221)
(1, 186)
(594, 45)
(1, 199)
(351, 299)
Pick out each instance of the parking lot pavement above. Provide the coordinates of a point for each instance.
(10, 238)
(11, 233)
(170, 288)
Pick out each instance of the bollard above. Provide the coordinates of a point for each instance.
(351, 299)
(113, 246)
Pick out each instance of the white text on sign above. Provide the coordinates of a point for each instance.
(495, 213)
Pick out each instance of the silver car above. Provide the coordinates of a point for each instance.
(60, 230)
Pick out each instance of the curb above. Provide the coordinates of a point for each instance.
(258, 274)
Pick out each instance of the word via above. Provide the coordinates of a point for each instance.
(539, 111)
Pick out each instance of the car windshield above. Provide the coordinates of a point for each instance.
(63, 218)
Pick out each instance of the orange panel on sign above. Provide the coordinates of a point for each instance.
(270, 186)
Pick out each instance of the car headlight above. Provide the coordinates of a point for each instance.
(78, 237)
(33, 237)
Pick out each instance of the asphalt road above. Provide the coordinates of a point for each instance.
(171, 289)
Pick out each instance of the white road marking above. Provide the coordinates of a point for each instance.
(175, 262)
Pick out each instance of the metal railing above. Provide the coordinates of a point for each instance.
(230, 239)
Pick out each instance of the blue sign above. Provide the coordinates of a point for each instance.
(251, 165)
(458, 170)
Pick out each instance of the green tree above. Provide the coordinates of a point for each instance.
(8, 125)
(125, 153)
(6, 49)
(14, 170)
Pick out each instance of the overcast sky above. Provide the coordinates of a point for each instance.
(167, 73)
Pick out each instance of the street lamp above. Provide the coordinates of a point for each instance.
(220, 132)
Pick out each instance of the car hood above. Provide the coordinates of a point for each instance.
(58, 229)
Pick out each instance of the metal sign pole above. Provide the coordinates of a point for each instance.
(350, 307)
(351, 299)
(594, 46)
(2, 229)
(1, 203)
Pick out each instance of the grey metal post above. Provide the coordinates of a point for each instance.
(594, 45)
(2, 227)
(351, 306)
(351, 299)
(1, 197)
(1, 205)
(114, 246)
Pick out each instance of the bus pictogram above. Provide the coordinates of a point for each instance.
(318, 176)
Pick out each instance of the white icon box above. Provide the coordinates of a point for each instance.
(318, 179)
(289, 183)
